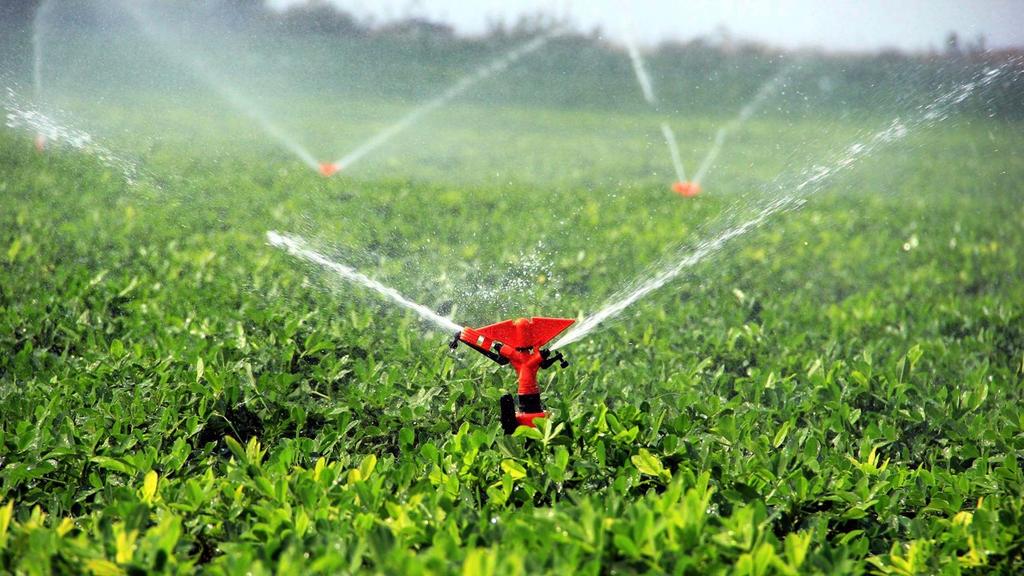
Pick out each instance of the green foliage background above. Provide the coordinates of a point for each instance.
(838, 392)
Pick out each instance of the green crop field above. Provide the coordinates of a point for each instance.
(836, 390)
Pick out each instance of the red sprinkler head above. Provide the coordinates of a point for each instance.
(40, 142)
(327, 169)
(519, 343)
(686, 189)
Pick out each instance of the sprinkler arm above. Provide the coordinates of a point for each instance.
(495, 355)
(550, 358)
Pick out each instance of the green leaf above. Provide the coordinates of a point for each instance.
(99, 567)
(626, 546)
(796, 545)
(406, 436)
(149, 485)
(627, 435)
(236, 449)
(513, 469)
(528, 432)
(6, 514)
(367, 466)
(562, 457)
(649, 464)
(913, 355)
(780, 436)
(112, 464)
(12, 251)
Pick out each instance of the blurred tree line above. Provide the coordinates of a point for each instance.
(411, 57)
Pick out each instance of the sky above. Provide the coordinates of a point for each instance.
(835, 25)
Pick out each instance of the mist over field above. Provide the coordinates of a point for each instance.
(237, 239)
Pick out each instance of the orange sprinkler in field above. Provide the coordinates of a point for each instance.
(40, 142)
(686, 189)
(518, 342)
(328, 169)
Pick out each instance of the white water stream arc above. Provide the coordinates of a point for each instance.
(175, 47)
(38, 20)
(808, 182)
(647, 88)
(297, 247)
(766, 90)
(20, 116)
(465, 83)
(37, 50)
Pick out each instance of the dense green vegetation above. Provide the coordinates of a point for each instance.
(838, 391)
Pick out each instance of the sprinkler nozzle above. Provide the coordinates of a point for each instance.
(40, 142)
(327, 169)
(686, 189)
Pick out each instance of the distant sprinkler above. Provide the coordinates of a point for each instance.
(686, 189)
(40, 142)
(327, 169)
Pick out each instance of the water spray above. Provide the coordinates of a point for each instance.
(298, 247)
(175, 48)
(748, 110)
(482, 73)
(37, 64)
(520, 342)
(681, 185)
(512, 342)
(808, 183)
(49, 130)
